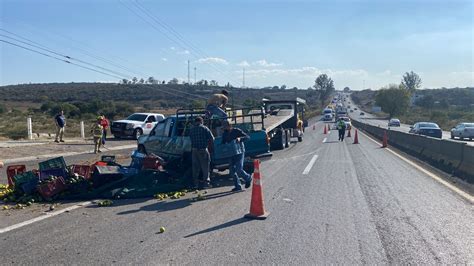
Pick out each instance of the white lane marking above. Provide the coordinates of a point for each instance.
(46, 216)
(290, 158)
(45, 156)
(324, 140)
(427, 172)
(310, 165)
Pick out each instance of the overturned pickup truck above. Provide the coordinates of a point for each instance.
(270, 127)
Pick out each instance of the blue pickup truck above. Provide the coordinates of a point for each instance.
(270, 127)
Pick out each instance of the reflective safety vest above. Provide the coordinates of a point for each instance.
(341, 125)
(97, 130)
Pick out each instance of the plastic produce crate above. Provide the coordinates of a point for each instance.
(53, 172)
(151, 163)
(82, 170)
(52, 188)
(30, 186)
(54, 163)
(13, 170)
(24, 178)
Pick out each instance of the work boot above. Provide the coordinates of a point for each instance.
(62, 141)
(237, 189)
(248, 183)
(57, 141)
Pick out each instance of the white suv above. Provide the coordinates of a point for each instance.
(135, 125)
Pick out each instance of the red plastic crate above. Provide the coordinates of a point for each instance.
(151, 163)
(13, 170)
(82, 170)
(53, 188)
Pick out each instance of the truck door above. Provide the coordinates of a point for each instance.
(155, 138)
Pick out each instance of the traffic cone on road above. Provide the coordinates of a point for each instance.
(257, 210)
(385, 139)
(356, 137)
(325, 130)
(349, 133)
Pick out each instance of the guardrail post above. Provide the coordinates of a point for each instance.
(29, 127)
(83, 135)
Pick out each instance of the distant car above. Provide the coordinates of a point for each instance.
(394, 122)
(463, 131)
(135, 125)
(426, 129)
(328, 117)
(362, 113)
(355, 108)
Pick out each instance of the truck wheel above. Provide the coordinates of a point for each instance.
(300, 139)
(137, 133)
(278, 141)
(287, 139)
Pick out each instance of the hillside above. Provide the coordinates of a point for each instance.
(84, 101)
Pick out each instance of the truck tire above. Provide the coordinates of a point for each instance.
(278, 141)
(287, 138)
(300, 139)
(137, 133)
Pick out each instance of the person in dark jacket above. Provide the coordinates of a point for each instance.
(236, 164)
(60, 122)
(201, 138)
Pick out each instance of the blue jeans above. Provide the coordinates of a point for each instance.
(236, 169)
(215, 110)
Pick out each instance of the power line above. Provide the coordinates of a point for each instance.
(42, 47)
(60, 59)
(176, 35)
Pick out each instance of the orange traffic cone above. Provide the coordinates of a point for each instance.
(325, 130)
(349, 133)
(356, 137)
(257, 211)
(385, 140)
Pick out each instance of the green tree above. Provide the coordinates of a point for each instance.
(134, 80)
(393, 100)
(325, 86)
(411, 81)
(213, 83)
(151, 80)
(173, 81)
(347, 89)
(141, 81)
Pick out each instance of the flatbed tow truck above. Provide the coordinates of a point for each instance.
(270, 127)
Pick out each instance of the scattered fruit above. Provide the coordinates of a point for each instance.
(162, 229)
(105, 203)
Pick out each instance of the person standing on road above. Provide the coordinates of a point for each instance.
(105, 124)
(341, 127)
(97, 131)
(201, 138)
(216, 104)
(236, 164)
(60, 122)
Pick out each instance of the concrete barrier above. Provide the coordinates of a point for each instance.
(450, 156)
(466, 168)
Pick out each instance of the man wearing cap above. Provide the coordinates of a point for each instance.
(201, 138)
(97, 131)
(236, 164)
(216, 104)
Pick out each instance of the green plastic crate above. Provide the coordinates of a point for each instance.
(54, 163)
(24, 178)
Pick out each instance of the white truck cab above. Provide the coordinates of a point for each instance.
(135, 125)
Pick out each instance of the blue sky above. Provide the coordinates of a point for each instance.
(357, 43)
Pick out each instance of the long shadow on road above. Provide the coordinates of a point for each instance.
(164, 206)
(219, 227)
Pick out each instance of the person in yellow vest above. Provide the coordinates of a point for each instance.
(97, 131)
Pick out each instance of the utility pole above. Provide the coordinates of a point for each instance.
(243, 78)
(188, 73)
(194, 75)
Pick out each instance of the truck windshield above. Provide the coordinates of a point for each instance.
(137, 117)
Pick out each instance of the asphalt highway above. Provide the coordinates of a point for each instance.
(357, 204)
